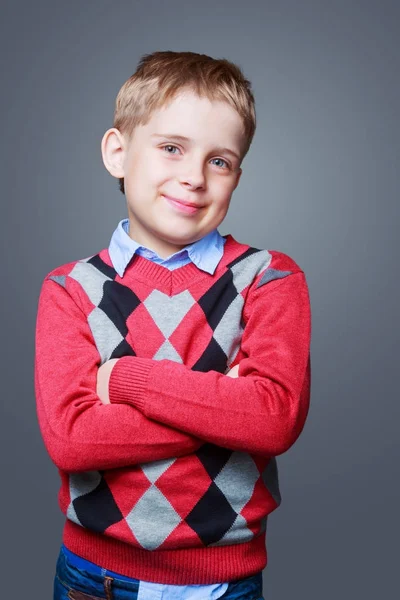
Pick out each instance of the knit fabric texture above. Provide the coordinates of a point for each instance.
(174, 480)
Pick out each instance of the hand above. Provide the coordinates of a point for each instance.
(234, 372)
(103, 378)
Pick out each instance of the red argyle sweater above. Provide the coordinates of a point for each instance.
(174, 480)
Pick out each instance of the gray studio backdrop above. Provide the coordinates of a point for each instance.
(320, 183)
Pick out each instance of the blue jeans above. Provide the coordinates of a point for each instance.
(72, 583)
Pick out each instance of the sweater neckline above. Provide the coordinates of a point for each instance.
(173, 281)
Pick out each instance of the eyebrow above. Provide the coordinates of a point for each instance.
(182, 138)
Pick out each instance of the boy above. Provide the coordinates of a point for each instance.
(173, 366)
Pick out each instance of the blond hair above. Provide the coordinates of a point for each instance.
(160, 75)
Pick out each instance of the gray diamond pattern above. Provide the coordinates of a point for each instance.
(271, 274)
(237, 479)
(168, 311)
(106, 335)
(247, 269)
(152, 519)
(91, 280)
(224, 333)
(60, 279)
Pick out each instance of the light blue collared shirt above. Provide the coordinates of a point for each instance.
(205, 253)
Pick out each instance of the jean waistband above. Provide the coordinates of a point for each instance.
(90, 567)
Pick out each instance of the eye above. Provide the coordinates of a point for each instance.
(221, 160)
(169, 147)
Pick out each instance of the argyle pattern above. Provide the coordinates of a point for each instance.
(224, 494)
(161, 519)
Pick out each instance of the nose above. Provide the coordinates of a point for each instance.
(193, 177)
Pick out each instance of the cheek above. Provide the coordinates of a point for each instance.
(223, 191)
(145, 178)
(159, 171)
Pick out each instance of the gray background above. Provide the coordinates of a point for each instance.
(320, 183)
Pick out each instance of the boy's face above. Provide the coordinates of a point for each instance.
(163, 171)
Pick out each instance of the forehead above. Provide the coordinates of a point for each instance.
(200, 119)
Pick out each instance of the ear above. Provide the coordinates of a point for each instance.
(238, 175)
(113, 150)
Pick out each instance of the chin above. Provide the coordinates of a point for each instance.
(181, 241)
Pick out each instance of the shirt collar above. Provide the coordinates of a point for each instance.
(122, 249)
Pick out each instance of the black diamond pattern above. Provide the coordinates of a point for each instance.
(118, 303)
(97, 510)
(213, 358)
(212, 516)
(218, 298)
(213, 458)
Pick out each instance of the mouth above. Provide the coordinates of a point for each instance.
(182, 205)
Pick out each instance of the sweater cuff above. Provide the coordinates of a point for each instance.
(128, 381)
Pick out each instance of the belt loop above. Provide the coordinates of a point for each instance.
(107, 587)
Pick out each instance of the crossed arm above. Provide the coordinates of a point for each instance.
(161, 409)
(104, 374)
(79, 431)
(263, 410)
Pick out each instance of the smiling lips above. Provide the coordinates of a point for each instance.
(181, 205)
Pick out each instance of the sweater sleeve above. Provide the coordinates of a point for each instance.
(79, 432)
(262, 411)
